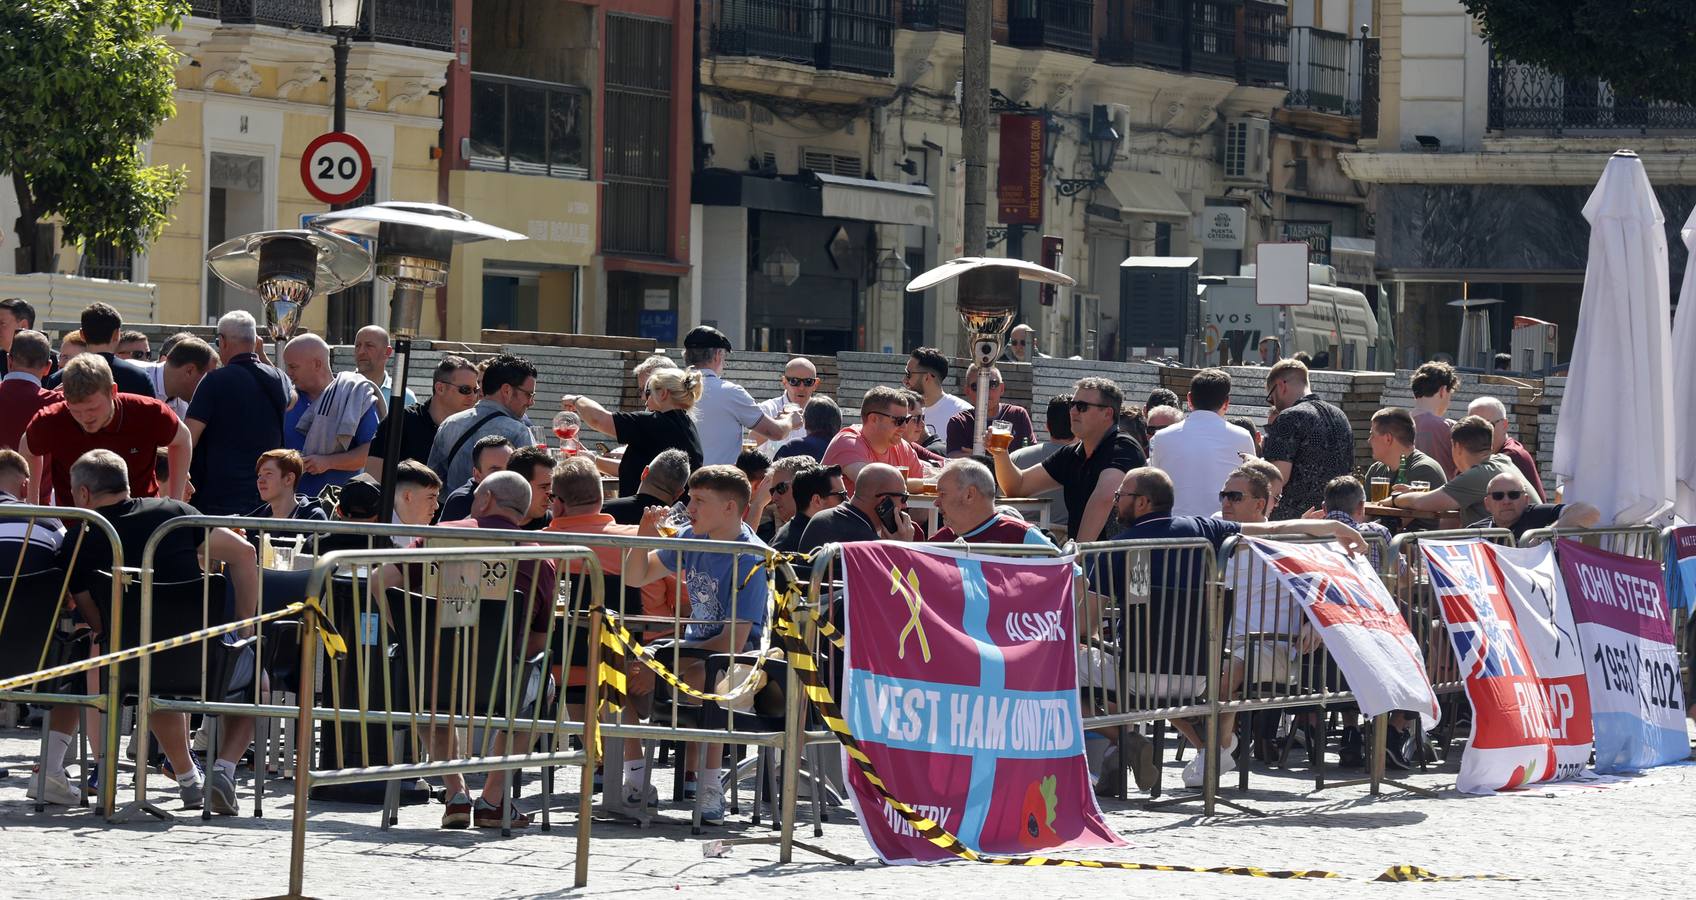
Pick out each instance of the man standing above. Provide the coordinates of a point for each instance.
(333, 419)
(877, 510)
(1511, 507)
(1434, 386)
(800, 380)
(453, 389)
(16, 314)
(1311, 441)
(927, 373)
(1495, 412)
(1021, 344)
(101, 327)
(663, 481)
(1201, 451)
(133, 345)
(509, 389)
(179, 372)
(95, 416)
(960, 428)
(1463, 496)
(1087, 472)
(371, 353)
(236, 415)
(816, 489)
(1058, 421)
(876, 439)
(725, 408)
(965, 495)
(488, 455)
(21, 394)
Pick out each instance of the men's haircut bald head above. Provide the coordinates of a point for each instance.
(877, 478)
(308, 344)
(511, 492)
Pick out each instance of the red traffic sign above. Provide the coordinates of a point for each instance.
(336, 167)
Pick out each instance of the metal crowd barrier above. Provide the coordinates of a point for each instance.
(36, 638)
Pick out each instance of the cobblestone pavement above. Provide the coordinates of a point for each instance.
(1567, 841)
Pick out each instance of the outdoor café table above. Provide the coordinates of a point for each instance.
(1033, 509)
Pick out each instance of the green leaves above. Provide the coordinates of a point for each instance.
(87, 82)
(1646, 49)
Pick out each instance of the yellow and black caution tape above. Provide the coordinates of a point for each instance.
(801, 662)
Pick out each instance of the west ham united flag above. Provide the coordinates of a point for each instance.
(962, 689)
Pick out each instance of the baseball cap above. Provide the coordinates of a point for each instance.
(706, 337)
(360, 497)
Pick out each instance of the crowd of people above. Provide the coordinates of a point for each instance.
(220, 429)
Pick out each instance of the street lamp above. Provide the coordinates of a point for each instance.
(988, 299)
(781, 267)
(892, 270)
(1103, 147)
(341, 17)
(287, 268)
(415, 244)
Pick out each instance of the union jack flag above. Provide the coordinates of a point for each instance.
(1330, 585)
(1473, 605)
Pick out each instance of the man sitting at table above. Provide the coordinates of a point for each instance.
(1462, 497)
(815, 488)
(879, 501)
(965, 495)
(100, 482)
(877, 438)
(1395, 459)
(1509, 502)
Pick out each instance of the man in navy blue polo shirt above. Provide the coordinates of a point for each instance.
(235, 417)
(1162, 593)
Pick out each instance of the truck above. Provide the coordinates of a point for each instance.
(1337, 321)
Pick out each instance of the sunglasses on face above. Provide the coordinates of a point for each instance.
(972, 385)
(465, 390)
(898, 420)
(1018, 343)
(1083, 406)
(840, 495)
(778, 490)
(801, 382)
(1231, 496)
(899, 495)
(1506, 495)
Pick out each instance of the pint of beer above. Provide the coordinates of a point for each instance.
(999, 436)
(1380, 489)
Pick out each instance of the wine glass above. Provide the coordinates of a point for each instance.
(566, 425)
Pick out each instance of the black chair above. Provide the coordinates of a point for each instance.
(37, 634)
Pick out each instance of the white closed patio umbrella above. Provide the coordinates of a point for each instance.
(1614, 437)
(1684, 381)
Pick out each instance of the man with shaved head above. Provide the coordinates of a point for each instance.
(333, 419)
(800, 381)
(879, 502)
(371, 353)
(1513, 507)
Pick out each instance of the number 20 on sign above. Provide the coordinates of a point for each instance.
(336, 167)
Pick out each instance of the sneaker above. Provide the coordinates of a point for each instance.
(711, 803)
(54, 791)
(689, 785)
(1195, 771)
(641, 796)
(91, 782)
(221, 794)
(1139, 751)
(1398, 748)
(458, 812)
(488, 815)
(1352, 753)
(193, 795)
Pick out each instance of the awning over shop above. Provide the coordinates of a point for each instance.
(1145, 195)
(876, 201)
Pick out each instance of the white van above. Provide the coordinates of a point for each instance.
(1333, 316)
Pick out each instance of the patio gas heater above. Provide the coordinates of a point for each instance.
(287, 268)
(415, 243)
(988, 301)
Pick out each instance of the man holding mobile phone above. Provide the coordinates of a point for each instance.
(876, 511)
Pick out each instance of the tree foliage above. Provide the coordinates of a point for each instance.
(1646, 49)
(86, 83)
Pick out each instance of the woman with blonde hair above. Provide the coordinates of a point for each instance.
(664, 423)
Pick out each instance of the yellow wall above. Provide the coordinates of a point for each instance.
(559, 216)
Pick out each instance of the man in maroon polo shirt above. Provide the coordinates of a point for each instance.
(95, 416)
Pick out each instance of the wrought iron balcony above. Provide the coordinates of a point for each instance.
(1245, 40)
(1529, 99)
(415, 23)
(529, 127)
(1055, 24)
(850, 35)
(1324, 73)
(929, 15)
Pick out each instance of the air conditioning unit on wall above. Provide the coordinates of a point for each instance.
(1247, 150)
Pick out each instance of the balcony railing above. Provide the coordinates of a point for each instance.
(415, 23)
(1241, 39)
(1056, 24)
(849, 35)
(1324, 73)
(929, 15)
(529, 127)
(1527, 98)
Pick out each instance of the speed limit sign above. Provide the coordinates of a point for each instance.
(336, 167)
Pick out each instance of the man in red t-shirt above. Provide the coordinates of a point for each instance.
(95, 416)
(876, 439)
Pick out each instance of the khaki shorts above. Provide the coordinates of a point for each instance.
(1268, 660)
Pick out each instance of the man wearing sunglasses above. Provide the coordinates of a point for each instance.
(927, 373)
(800, 381)
(877, 439)
(1021, 344)
(879, 501)
(960, 427)
(1087, 472)
(813, 490)
(1511, 507)
(453, 389)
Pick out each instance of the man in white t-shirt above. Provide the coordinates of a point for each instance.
(800, 381)
(725, 408)
(927, 373)
(1200, 452)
